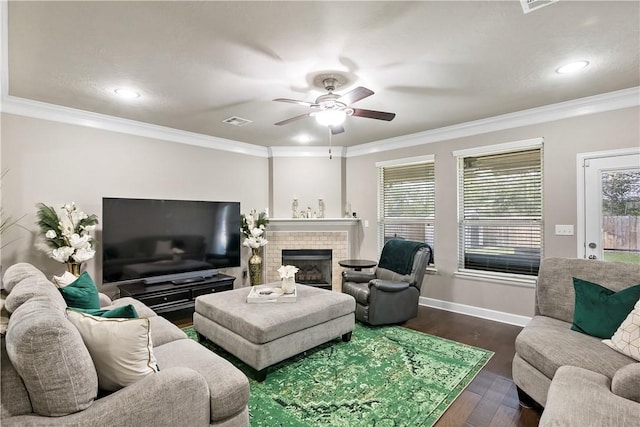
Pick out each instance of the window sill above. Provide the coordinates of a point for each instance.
(502, 278)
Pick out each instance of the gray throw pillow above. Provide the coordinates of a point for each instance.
(17, 273)
(48, 353)
(34, 286)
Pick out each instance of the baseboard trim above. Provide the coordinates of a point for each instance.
(469, 310)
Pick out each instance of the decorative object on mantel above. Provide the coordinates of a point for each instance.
(294, 208)
(288, 276)
(253, 228)
(347, 210)
(66, 234)
(321, 208)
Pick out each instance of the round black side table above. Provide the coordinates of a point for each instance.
(357, 264)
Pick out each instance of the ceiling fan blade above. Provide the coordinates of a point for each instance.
(292, 119)
(371, 114)
(294, 101)
(336, 129)
(355, 95)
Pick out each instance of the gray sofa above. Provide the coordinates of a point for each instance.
(578, 380)
(194, 386)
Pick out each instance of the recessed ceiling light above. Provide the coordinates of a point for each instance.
(127, 93)
(572, 67)
(303, 139)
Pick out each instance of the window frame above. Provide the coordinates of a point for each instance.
(496, 149)
(411, 161)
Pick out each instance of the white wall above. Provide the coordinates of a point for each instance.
(307, 179)
(56, 163)
(563, 139)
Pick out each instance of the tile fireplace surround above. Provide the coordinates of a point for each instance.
(338, 234)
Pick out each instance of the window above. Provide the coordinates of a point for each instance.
(406, 200)
(500, 208)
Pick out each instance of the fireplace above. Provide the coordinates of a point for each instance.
(314, 266)
(339, 235)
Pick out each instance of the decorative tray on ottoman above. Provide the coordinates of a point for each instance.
(270, 293)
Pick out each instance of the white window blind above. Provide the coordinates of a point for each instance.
(500, 218)
(406, 202)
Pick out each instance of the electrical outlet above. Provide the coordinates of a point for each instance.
(564, 230)
(366, 223)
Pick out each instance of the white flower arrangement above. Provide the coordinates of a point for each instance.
(66, 232)
(253, 227)
(288, 271)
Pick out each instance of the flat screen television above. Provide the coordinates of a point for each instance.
(167, 240)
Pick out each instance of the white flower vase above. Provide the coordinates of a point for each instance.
(289, 285)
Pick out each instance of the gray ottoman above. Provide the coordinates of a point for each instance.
(262, 335)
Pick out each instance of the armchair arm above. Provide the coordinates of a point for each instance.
(579, 397)
(626, 382)
(388, 285)
(357, 276)
(176, 396)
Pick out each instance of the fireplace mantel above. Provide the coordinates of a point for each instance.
(315, 221)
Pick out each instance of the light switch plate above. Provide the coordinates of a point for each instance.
(564, 230)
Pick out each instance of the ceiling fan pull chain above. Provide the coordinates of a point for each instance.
(330, 133)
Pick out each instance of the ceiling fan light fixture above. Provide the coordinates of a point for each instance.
(331, 117)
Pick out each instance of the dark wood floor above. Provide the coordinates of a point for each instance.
(491, 398)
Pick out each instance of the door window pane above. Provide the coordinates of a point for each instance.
(621, 216)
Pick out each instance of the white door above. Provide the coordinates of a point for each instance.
(612, 208)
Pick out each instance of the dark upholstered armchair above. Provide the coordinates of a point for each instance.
(389, 294)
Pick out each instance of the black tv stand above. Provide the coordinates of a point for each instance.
(189, 280)
(176, 294)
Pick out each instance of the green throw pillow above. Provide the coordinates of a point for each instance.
(81, 293)
(600, 311)
(123, 312)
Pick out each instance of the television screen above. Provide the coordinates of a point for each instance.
(161, 240)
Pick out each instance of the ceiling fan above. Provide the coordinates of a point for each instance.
(333, 108)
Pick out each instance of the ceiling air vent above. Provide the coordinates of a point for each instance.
(531, 5)
(236, 121)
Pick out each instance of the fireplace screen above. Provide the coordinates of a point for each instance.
(314, 266)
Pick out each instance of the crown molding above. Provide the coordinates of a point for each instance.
(315, 151)
(45, 111)
(589, 105)
(578, 107)
(14, 105)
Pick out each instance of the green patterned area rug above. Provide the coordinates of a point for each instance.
(385, 376)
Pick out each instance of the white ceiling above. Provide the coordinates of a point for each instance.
(434, 64)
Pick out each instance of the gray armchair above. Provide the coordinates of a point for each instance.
(390, 293)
